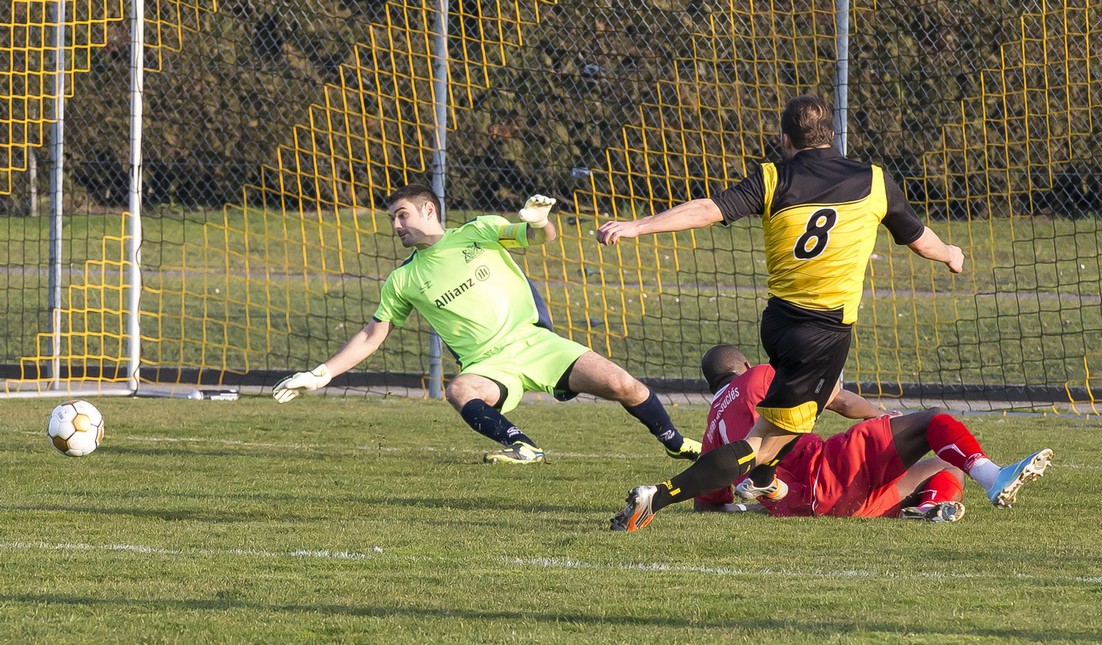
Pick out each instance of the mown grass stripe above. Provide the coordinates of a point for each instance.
(549, 563)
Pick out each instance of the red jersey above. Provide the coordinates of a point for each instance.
(733, 414)
(850, 474)
(734, 407)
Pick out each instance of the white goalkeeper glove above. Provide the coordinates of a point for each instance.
(300, 382)
(536, 210)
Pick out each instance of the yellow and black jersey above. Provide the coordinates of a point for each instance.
(819, 214)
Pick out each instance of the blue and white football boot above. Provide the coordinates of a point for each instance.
(1005, 489)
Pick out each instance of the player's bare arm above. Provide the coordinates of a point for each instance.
(752, 507)
(697, 213)
(358, 348)
(537, 236)
(853, 406)
(537, 212)
(930, 246)
(362, 345)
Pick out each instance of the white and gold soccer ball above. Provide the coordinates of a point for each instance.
(75, 428)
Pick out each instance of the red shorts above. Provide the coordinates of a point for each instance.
(857, 472)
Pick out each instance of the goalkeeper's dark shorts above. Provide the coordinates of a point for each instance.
(808, 350)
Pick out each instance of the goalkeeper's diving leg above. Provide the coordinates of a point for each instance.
(594, 374)
(475, 397)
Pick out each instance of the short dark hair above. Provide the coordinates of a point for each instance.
(719, 363)
(416, 193)
(808, 121)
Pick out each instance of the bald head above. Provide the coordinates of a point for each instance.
(722, 363)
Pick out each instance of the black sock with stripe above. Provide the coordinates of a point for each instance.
(713, 470)
(488, 422)
(762, 475)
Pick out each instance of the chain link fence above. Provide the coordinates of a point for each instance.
(272, 131)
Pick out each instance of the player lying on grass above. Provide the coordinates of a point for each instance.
(466, 285)
(874, 469)
(820, 214)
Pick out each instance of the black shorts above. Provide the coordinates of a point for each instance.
(808, 350)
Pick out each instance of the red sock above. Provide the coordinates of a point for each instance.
(953, 442)
(942, 487)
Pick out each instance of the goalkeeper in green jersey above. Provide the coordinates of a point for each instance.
(466, 285)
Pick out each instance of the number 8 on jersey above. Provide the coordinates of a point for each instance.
(815, 239)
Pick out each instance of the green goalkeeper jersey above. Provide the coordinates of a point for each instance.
(468, 288)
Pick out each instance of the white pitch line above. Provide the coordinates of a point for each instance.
(367, 448)
(566, 563)
(364, 448)
(224, 442)
(546, 563)
(313, 554)
(472, 451)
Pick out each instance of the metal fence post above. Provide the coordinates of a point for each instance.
(57, 169)
(134, 220)
(841, 75)
(439, 166)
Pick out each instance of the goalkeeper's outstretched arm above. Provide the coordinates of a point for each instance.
(537, 212)
(355, 351)
(358, 348)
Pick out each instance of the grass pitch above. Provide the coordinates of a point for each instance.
(373, 520)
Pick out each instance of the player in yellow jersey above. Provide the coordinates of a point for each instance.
(464, 282)
(820, 213)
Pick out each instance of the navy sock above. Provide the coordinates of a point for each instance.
(653, 415)
(488, 422)
(712, 471)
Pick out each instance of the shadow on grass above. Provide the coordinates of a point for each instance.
(825, 627)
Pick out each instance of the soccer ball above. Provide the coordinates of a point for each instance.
(75, 428)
